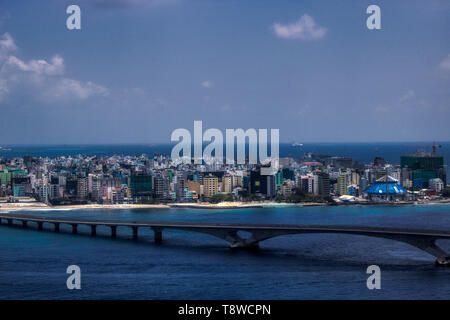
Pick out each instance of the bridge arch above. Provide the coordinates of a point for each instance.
(233, 237)
(421, 239)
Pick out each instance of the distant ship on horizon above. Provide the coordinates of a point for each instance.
(297, 144)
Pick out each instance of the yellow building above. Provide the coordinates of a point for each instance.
(210, 186)
(227, 184)
(193, 186)
(237, 181)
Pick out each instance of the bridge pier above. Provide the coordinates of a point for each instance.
(443, 261)
(244, 245)
(158, 235)
(442, 257)
(135, 233)
(93, 230)
(427, 244)
(113, 232)
(249, 236)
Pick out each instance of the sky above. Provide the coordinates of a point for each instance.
(139, 69)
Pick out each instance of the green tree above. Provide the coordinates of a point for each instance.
(221, 197)
(446, 192)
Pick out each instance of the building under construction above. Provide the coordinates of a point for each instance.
(421, 167)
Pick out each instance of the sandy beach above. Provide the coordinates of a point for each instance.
(203, 205)
(33, 205)
(43, 206)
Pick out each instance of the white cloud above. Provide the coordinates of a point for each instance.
(304, 29)
(55, 67)
(3, 89)
(206, 84)
(38, 77)
(74, 88)
(6, 46)
(445, 64)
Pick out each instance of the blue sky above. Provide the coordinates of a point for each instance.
(139, 69)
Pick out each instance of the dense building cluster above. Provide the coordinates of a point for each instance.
(140, 179)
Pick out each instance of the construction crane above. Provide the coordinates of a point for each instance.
(434, 146)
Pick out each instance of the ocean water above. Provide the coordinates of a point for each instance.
(190, 265)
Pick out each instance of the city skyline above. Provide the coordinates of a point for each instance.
(137, 70)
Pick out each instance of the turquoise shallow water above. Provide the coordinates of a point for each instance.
(196, 266)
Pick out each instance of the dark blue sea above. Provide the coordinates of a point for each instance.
(195, 266)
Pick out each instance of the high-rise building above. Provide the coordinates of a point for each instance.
(306, 184)
(96, 193)
(43, 193)
(56, 191)
(262, 185)
(141, 185)
(237, 181)
(355, 178)
(423, 166)
(71, 187)
(342, 184)
(82, 188)
(161, 187)
(227, 184)
(210, 186)
(181, 189)
(322, 184)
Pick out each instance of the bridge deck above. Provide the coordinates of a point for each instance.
(420, 238)
(235, 226)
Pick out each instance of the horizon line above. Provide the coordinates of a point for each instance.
(206, 143)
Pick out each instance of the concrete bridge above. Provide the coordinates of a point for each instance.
(232, 233)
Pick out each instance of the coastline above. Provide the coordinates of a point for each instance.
(36, 206)
(42, 206)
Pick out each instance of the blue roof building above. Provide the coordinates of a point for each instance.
(394, 190)
(380, 189)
